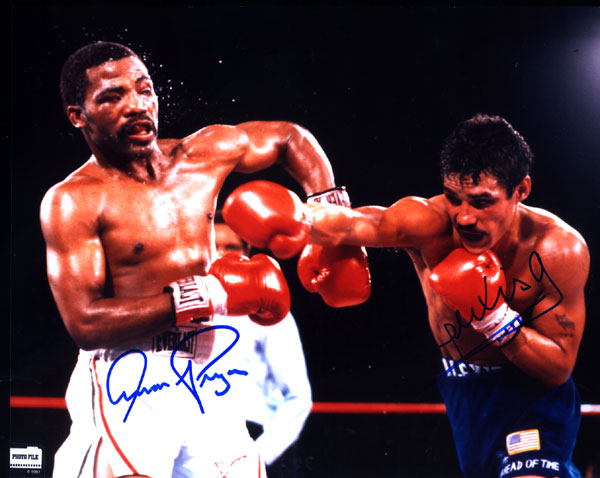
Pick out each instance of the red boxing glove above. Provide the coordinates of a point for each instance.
(267, 215)
(473, 285)
(235, 285)
(339, 274)
(255, 287)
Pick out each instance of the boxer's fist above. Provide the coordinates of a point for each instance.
(255, 287)
(467, 281)
(268, 216)
(235, 285)
(474, 285)
(339, 274)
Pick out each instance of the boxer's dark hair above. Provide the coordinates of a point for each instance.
(73, 79)
(486, 144)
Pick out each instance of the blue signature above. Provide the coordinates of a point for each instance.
(186, 377)
(535, 262)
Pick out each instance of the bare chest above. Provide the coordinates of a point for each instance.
(158, 230)
(526, 282)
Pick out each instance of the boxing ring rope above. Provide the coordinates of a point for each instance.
(37, 402)
(318, 407)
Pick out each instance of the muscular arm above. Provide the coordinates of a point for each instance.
(294, 147)
(77, 277)
(547, 347)
(407, 223)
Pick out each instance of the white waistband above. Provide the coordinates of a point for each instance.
(185, 341)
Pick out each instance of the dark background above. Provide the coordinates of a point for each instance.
(379, 87)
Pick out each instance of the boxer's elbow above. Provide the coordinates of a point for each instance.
(562, 372)
(554, 373)
(84, 340)
(86, 345)
(85, 330)
(556, 379)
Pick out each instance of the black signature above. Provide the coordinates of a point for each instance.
(186, 377)
(454, 331)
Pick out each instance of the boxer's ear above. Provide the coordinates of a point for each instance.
(523, 189)
(76, 116)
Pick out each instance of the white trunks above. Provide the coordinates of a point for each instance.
(169, 407)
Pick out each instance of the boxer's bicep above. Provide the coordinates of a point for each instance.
(547, 347)
(291, 146)
(548, 344)
(264, 143)
(74, 256)
(407, 223)
(560, 311)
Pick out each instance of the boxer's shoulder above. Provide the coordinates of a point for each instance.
(89, 173)
(424, 208)
(438, 204)
(433, 213)
(549, 230)
(211, 143)
(559, 245)
(77, 193)
(416, 222)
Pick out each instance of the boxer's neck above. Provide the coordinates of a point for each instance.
(148, 168)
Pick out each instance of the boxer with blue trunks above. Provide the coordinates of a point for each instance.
(504, 286)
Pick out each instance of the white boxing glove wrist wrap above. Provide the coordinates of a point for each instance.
(336, 195)
(197, 297)
(500, 326)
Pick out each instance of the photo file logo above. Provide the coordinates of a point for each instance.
(26, 461)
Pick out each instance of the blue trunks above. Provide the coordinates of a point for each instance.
(506, 424)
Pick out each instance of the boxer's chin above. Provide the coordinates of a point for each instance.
(137, 142)
(140, 149)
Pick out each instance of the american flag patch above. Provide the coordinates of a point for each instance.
(525, 440)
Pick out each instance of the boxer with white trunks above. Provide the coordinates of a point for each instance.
(194, 428)
(129, 239)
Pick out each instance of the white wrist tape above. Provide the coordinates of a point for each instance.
(499, 326)
(337, 195)
(217, 294)
(197, 297)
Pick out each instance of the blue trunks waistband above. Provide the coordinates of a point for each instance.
(456, 368)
